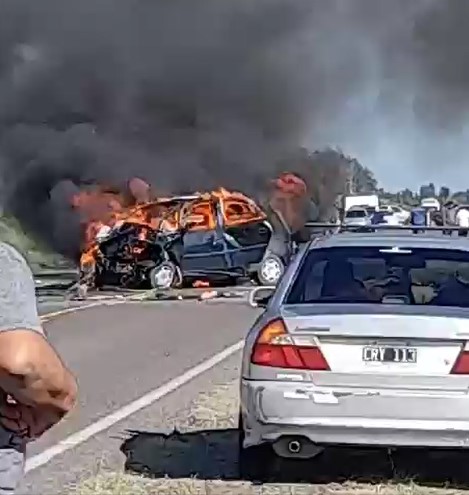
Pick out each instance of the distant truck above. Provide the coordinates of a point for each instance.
(368, 201)
(430, 203)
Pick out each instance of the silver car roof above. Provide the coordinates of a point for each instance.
(429, 240)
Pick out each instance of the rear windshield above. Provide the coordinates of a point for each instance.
(434, 277)
(356, 214)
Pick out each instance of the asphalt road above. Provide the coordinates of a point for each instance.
(119, 353)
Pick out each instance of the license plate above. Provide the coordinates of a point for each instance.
(379, 354)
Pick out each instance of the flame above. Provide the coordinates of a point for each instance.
(201, 284)
(97, 209)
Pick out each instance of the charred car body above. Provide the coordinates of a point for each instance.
(175, 241)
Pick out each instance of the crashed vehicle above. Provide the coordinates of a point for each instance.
(212, 237)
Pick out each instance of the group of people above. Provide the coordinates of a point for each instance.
(451, 214)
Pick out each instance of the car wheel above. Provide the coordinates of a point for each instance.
(270, 270)
(163, 275)
(254, 463)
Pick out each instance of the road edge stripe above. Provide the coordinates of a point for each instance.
(128, 410)
(49, 316)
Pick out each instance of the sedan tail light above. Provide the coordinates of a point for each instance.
(461, 366)
(276, 348)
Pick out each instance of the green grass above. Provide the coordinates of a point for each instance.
(36, 253)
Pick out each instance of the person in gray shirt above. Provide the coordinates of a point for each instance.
(36, 389)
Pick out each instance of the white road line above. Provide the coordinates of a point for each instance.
(48, 316)
(107, 421)
(104, 302)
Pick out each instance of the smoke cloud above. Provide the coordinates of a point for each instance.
(190, 95)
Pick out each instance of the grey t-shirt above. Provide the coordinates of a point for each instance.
(18, 310)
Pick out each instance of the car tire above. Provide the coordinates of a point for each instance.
(254, 463)
(163, 275)
(270, 270)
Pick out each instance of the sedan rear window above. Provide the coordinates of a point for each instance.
(435, 277)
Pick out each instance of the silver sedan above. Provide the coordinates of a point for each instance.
(365, 341)
(357, 217)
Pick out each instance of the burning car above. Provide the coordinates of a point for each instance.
(172, 241)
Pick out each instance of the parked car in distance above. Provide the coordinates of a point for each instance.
(400, 213)
(356, 217)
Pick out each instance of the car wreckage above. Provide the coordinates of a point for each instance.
(169, 242)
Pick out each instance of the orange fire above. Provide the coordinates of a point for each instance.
(101, 211)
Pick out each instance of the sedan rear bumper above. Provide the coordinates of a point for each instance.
(272, 410)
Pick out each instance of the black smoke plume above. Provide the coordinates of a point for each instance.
(186, 95)
(196, 94)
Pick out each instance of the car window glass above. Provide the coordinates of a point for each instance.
(436, 277)
(237, 211)
(355, 214)
(200, 237)
(250, 234)
(200, 216)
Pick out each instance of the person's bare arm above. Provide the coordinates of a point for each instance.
(30, 369)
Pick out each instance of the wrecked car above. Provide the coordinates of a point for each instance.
(212, 237)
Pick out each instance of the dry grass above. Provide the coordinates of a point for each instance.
(120, 484)
(205, 444)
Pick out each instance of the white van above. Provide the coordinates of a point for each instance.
(432, 203)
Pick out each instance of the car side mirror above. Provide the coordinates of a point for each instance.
(260, 296)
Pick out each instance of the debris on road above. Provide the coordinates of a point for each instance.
(192, 294)
(199, 284)
(211, 294)
(82, 292)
